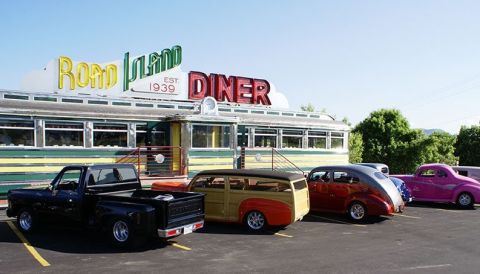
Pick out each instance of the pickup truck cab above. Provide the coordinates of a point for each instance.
(440, 183)
(109, 197)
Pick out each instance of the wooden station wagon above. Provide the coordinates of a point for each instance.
(256, 198)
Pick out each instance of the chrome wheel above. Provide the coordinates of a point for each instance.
(25, 220)
(120, 231)
(255, 220)
(357, 211)
(465, 200)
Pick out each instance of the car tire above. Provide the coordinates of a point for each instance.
(255, 221)
(120, 232)
(465, 200)
(357, 212)
(26, 220)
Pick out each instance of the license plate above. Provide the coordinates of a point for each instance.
(187, 229)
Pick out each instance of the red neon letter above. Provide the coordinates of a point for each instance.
(198, 85)
(261, 88)
(243, 86)
(225, 90)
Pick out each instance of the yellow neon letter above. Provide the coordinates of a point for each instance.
(111, 75)
(96, 72)
(62, 71)
(83, 66)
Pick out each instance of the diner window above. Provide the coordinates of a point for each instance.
(210, 136)
(158, 137)
(17, 133)
(110, 135)
(265, 137)
(292, 138)
(336, 140)
(317, 139)
(63, 134)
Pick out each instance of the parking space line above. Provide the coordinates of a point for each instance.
(406, 216)
(179, 246)
(448, 210)
(27, 245)
(337, 221)
(283, 235)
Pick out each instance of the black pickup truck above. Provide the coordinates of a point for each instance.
(109, 197)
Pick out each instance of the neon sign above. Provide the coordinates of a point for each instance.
(232, 89)
(94, 75)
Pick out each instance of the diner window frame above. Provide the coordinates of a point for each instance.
(229, 126)
(33, 128)
(45, 129)
(126, 131)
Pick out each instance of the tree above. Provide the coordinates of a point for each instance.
(388, 139)
(355, 147)
(439, 148)
(467, 146)
(308, 108)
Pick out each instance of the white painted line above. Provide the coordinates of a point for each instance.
(406, 216)
(427, 266)
(337, 221)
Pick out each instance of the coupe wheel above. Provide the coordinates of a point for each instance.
(465, 200)
(121, 233)
(255, 220)
(357, 212)
(25, 220)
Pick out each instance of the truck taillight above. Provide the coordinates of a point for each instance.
(173, 232)
(198, 226)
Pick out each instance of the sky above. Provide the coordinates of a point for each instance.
(348, 57)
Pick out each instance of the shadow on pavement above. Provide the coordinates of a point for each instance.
(447, 206)
(234, 228)
(75, 240)
(331, 218)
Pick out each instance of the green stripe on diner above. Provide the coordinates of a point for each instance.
(210, 153)
(295, 152)
(26, 177)
(42, 152)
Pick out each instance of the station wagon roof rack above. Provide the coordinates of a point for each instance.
(262, 173)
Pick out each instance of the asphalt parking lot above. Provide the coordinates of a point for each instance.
(426, 238)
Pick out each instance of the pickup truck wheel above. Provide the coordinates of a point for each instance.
(357, 212)
(121, 233)
(255, 220)
(465, 200)
(25, 220)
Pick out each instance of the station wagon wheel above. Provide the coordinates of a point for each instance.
(465, 200)
(25, 220)
(357, 211)
(120, 232)
(255, 220)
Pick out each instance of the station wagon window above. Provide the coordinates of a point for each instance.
(344, 177)
(110, 135)
(209, 182)
(238, 183)
(267, 185)
(336, 140)
(17, 133)
(265, 137)
(300, 185)
(463, 172)
(320, 176)
(427, 173)
(63, 134)
(317, 139)
(210, 136)
(292, 139)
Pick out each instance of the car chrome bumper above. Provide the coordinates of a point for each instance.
(185, 229)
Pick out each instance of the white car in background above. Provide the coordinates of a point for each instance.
(468, 171)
